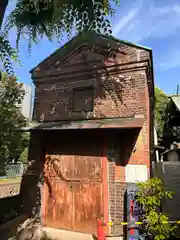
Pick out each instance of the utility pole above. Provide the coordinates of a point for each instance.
(177, 93)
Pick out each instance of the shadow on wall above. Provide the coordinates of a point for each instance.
(10, 208)
(124, 146)
(111, 70)
(111, 60)
(110, 84)
(63, 144)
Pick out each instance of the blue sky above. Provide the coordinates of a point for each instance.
(152, 23)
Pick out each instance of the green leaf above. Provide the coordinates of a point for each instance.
(54, 18)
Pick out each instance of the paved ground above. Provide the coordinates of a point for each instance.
(59, 234)
(8, 231)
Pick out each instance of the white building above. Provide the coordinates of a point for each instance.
(26, 105)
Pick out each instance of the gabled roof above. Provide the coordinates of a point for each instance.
(176, 100)
(89, 37)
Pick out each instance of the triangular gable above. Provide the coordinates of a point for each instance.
(85, 47)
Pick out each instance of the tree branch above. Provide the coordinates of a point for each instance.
(3, 6)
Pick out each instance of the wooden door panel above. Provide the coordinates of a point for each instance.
(58, 205)
(87, 206)
(60, 166)
(87, 168)
(77, 208)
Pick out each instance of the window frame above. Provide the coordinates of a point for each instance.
(82, 89)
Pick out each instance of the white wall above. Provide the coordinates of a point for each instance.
(26, 105)
(156, 143)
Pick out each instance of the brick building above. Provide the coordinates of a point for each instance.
(93, 104)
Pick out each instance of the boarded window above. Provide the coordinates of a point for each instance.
(83, 99)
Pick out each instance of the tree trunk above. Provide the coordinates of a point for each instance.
(3, 6)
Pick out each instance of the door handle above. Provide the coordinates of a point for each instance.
(70, 187)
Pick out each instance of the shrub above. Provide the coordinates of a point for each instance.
(149, 198)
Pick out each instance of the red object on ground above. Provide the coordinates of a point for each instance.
(100, 230)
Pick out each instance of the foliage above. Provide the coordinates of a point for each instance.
(24, 156)
(176, 134)
(51, 18)
(167, 134)
(149, 198)
(7, 55)
(171, 131)
(12, 140)
(161, 115)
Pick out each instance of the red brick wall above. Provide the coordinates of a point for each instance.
(135, 150)
(111, 99)
(129, 146)
(119, 87)
(120, 91)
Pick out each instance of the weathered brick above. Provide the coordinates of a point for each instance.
(122, 88)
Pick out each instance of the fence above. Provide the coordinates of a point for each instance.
(15, 170)
(169, 172)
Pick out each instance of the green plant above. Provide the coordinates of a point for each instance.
(149, 198)
(8, 55)
(35, 19)
(161, 116)
(164, 108)
(12, 140)
(40, 18)
(24, 156)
